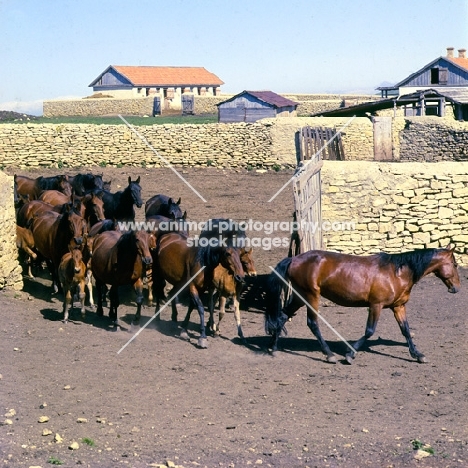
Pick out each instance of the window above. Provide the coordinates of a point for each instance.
(439, 76)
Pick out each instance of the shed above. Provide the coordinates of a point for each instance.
(250, 106)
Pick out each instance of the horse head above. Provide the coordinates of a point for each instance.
(173, 209)
(446, 268)
(94, 208)
(76, 225)
(145, 242)
(64, 185)
(135, 191)
(230, 259)
(76, 259)
(247, 261)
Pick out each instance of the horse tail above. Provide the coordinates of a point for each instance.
(275, 318)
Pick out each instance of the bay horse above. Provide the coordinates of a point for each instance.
(34, 187)
(376, 281)
(53, 232)
(164, 206)
(119, 205)
(120, 258)
(226, 285)
(162, 225)
(29, 210)
(72, 276)
(177, 259)
(25, 243)
(54, 197)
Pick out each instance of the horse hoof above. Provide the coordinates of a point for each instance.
(422, 360)
(202, 343)
(332, 359)
(184, 335)
(349, 358)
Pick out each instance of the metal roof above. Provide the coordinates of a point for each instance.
(268, 97)
(455, 95)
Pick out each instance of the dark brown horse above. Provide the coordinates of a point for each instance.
(376, 281)
(164, 206)
(119, 259)
(188, 266)
(34, 187)
(53, 233)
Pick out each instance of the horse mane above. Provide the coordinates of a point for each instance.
(417, 261)
(208, 256)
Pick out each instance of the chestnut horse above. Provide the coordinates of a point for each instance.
(119, 259)
(72, 275)
(377, 281)
(177, 259)
(226, 286)
(53, 233)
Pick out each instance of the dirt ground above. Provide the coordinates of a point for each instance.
(164, 401)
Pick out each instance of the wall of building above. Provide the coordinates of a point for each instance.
(10, 269)
(396, 207)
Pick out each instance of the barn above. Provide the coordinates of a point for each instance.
(442, 74)
(168, 83)
(250, 106)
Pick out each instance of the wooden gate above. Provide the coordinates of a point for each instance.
(307, 206)
(188, 104)
(324, 140)
(383, 146)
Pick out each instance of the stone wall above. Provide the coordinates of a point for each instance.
(264, 143)
(308, 104)
(99, 107)
(357, 136)
(396, 207)
(433, 139)
(10, 269)
(76, 145)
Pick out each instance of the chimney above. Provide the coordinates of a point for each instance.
(461, 53)
(449, 52)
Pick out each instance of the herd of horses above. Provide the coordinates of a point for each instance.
(72, 223)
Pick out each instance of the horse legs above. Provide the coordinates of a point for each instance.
(196, 302)
(82, 295)
(371, 325)
(312, 323)
(66, 303)
(211, 305)
(89, 286)
(183, 331)
(400, 316)
(288, 311)
(114, 304)
(99, 290)
(138, 287)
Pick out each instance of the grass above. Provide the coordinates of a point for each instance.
(54, 461)
(88, 441)
(137, 121)
(418, 445)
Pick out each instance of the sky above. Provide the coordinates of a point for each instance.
(53, 49)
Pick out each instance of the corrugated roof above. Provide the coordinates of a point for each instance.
(168, 76)
(268, 97)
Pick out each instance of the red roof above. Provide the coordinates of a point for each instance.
(168, 76)
(461, 62)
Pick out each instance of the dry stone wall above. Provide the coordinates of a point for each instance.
(396, 207)
(98, 107)
(433, 139)
(10, 269)
(48, 145)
